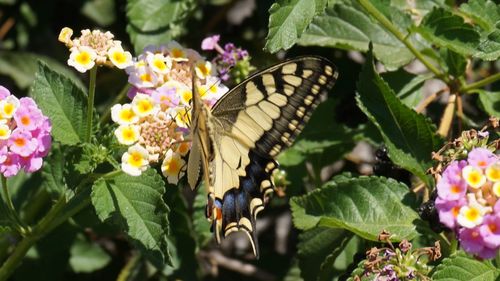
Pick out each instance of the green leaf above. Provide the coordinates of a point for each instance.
(100, 11)
(155, 23)
(364, 205)
(340, 261)
(462, 267)
(449, 31)
(22, 66)
(287, 21)
(315, 245)
(484, 13)
(200, 223)
(455, 63)
(490, 102)
(136, 205)
(348, 27)
(63, 102)
(410, 137)
(407, 86)
(53, 172)
(86, 256)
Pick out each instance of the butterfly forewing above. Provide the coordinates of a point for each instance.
(249, 126)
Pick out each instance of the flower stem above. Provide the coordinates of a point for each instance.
(90, 103)
(20, 226)
(488, 80)
(447, 119)
(372, 10)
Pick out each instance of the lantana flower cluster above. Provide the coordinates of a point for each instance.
(397, 264)
(94, 48)
(24, 134)
(155, 124)
(231, 61)
(468, 201)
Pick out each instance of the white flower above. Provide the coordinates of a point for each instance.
(128, 134)
(203, 69)
(119, 57)
(472, 215)
(159, 63)
(8, 107)
(123, 114)
(176, 51)
(135, 160)
(144, 105)
(4, 132)
(82, 58)
(473, 176)
(172, 166)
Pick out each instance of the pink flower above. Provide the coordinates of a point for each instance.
(451, 190)
(481, 157)
(453, 173)
(166, 95)
(31, 163)
(210, 42)
(11, 165)
(448, 210)
(4, 92)
(22, 143)
(3, 152)
(28, 117)
(490, 231)
(471, 240)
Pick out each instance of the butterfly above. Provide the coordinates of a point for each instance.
(234, 144)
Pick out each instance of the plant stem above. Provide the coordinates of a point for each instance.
(105, 117)
(90, 103)
(10, 206)
(372, 10)
(447, 119)
(488, 80)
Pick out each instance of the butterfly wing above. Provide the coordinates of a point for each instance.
(249, 126)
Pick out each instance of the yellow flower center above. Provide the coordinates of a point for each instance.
(127, 115)
(135, 159)
(145, 106)
(455, 188)
(8, 109)
(172, 166)
(20, 142)
(83, 58)
(177, 53)
(128, 134)
(160, 64)
(25, 120)
(146, 77)
(472, 214)
(119, 57)
(493, 172)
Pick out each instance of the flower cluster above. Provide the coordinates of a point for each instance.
(229, 60)
(24, 134)
(402, 263)
(155, 124)
(94, 48)
(468, 192)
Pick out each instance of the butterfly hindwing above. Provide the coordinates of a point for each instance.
(248, 127)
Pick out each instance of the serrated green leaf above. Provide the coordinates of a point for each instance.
(462, 267)
(490, 102)
(86, 256)
(364, 205)
(22, 66)
(449, 31)
(155, 23)
(315, 246)
(100, 11)
(63, 102)
(136, 205)
(287, 21)
(53, 172)
(455, 62)
(485, 13)
(200, 223)
(348, 27)
(410, 137)
(407, 86)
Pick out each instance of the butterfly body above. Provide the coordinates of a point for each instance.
(236, 141)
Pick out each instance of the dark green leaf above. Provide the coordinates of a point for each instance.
(86, 256)
(22, 66)
(200, 223)
(461, 267)
(455, 63)
(449, 31)
(364, 205)
(407, 86)
(155, 23)
(63, 102)
(490, 102)
(287, 21)
(136, 205)
(410, 137)
(348, 27)
(53, 172)
(315, 245)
